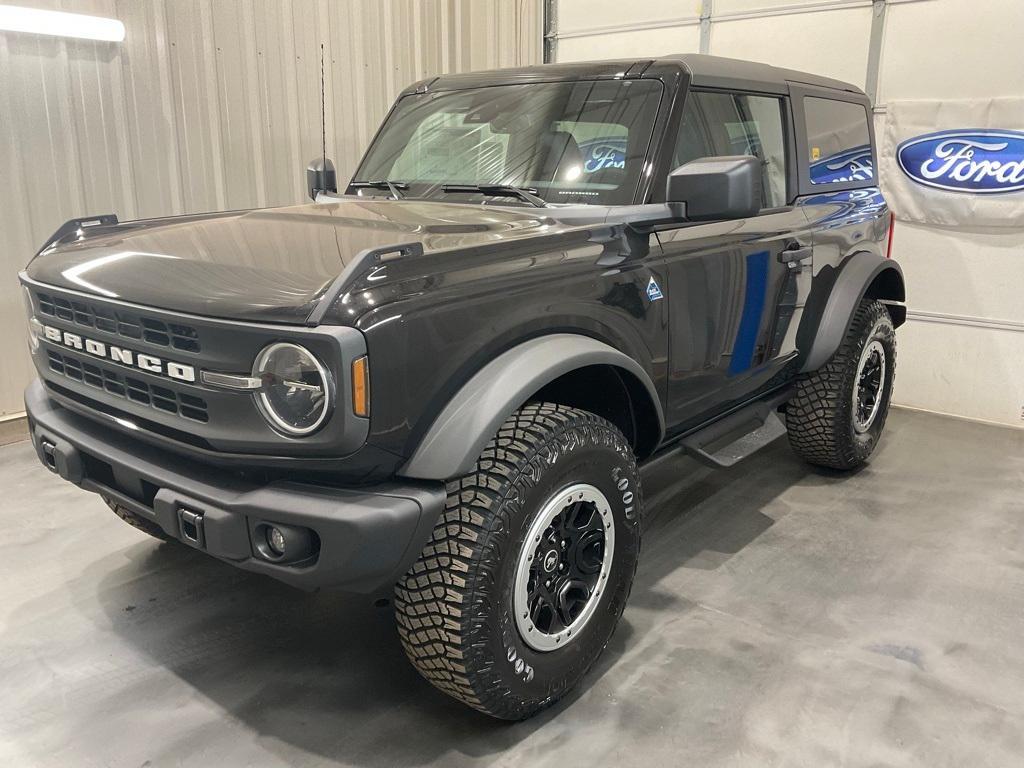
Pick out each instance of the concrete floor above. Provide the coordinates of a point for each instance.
(782, 616)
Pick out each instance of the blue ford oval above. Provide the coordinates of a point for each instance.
(975, 161)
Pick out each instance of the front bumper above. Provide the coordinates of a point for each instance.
(368, 537)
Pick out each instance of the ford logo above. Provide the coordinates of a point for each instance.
(599, 154)
(854, 164)
(983, 162)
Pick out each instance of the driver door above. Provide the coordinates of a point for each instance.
(733, 293)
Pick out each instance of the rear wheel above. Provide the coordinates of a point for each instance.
(837, 415)
(529, 568)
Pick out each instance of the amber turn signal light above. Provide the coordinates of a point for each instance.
(361, 387)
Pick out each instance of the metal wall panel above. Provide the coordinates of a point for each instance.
(210, 105)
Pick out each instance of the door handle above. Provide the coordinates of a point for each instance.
(796, 256)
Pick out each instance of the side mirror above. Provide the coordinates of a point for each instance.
(320, 177)
(715, 188)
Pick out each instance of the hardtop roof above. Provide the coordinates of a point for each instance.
(703, 70)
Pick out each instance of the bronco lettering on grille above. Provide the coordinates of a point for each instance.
(147, 363)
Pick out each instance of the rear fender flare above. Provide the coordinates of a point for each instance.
(855, 276)
(460, 432)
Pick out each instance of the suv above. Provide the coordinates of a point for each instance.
(440, 385)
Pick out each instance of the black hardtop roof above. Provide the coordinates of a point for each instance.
(703, 70)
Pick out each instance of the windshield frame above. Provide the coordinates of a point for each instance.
(655, 135)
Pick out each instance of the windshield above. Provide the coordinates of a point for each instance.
(581, 142)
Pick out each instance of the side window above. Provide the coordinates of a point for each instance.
(736, 124)
(838, 141)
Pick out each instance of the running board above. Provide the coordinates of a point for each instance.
(731, 439)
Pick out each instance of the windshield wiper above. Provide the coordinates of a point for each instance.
(394, 187)
(525, 194)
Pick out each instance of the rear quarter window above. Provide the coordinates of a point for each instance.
(838, 141)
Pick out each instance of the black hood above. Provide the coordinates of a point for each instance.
(269, 265)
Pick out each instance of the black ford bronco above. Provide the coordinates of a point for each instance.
(440, 384)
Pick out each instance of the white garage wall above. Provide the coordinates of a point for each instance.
(831, 42)
(658, 26)
(210, 105)
(683, 38)
(962, 350)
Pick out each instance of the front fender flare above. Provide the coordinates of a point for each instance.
(457, 436)
(851, 284)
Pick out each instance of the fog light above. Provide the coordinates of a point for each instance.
(284, 544)
(275, 540)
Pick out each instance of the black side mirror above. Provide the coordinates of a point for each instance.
(715, 188)
(320, 177)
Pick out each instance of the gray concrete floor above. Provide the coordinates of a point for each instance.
(782, 616)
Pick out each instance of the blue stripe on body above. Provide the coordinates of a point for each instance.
(753, 307)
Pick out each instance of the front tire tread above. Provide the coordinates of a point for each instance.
(438, 621)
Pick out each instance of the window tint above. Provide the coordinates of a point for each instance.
(838, 142)
(736, 124)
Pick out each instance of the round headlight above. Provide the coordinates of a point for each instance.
(296, 390)
(33, 324)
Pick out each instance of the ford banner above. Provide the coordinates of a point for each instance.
(981, 161)
(954, 162)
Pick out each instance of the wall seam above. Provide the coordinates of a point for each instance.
(948, 318)
(550, 31)
(873, 75)
(707, 10)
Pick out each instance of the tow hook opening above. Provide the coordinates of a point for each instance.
(49, 454)
(191, 526)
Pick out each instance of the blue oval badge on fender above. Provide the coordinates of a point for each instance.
(975, 161)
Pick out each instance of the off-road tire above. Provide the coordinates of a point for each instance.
(454, 606)
(146, 526)
(820, 417)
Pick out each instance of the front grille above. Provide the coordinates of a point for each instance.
(124, 324)
(129, 387)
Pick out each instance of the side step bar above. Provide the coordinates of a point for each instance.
(727, 441)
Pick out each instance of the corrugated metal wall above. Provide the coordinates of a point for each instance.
(210, 105)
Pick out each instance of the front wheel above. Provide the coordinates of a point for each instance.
(529, 568)
(837, 414)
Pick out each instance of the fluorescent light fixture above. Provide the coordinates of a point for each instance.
(14, 18)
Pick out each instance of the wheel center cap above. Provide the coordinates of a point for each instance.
(551, 560)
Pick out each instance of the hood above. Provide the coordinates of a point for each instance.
(267, 265)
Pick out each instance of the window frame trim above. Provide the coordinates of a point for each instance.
(800, 92)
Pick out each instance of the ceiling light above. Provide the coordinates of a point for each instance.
(14, 18)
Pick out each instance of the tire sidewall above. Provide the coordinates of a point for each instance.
(879, 328)
(598, 455)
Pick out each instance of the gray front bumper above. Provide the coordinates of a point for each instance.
(368, 536)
